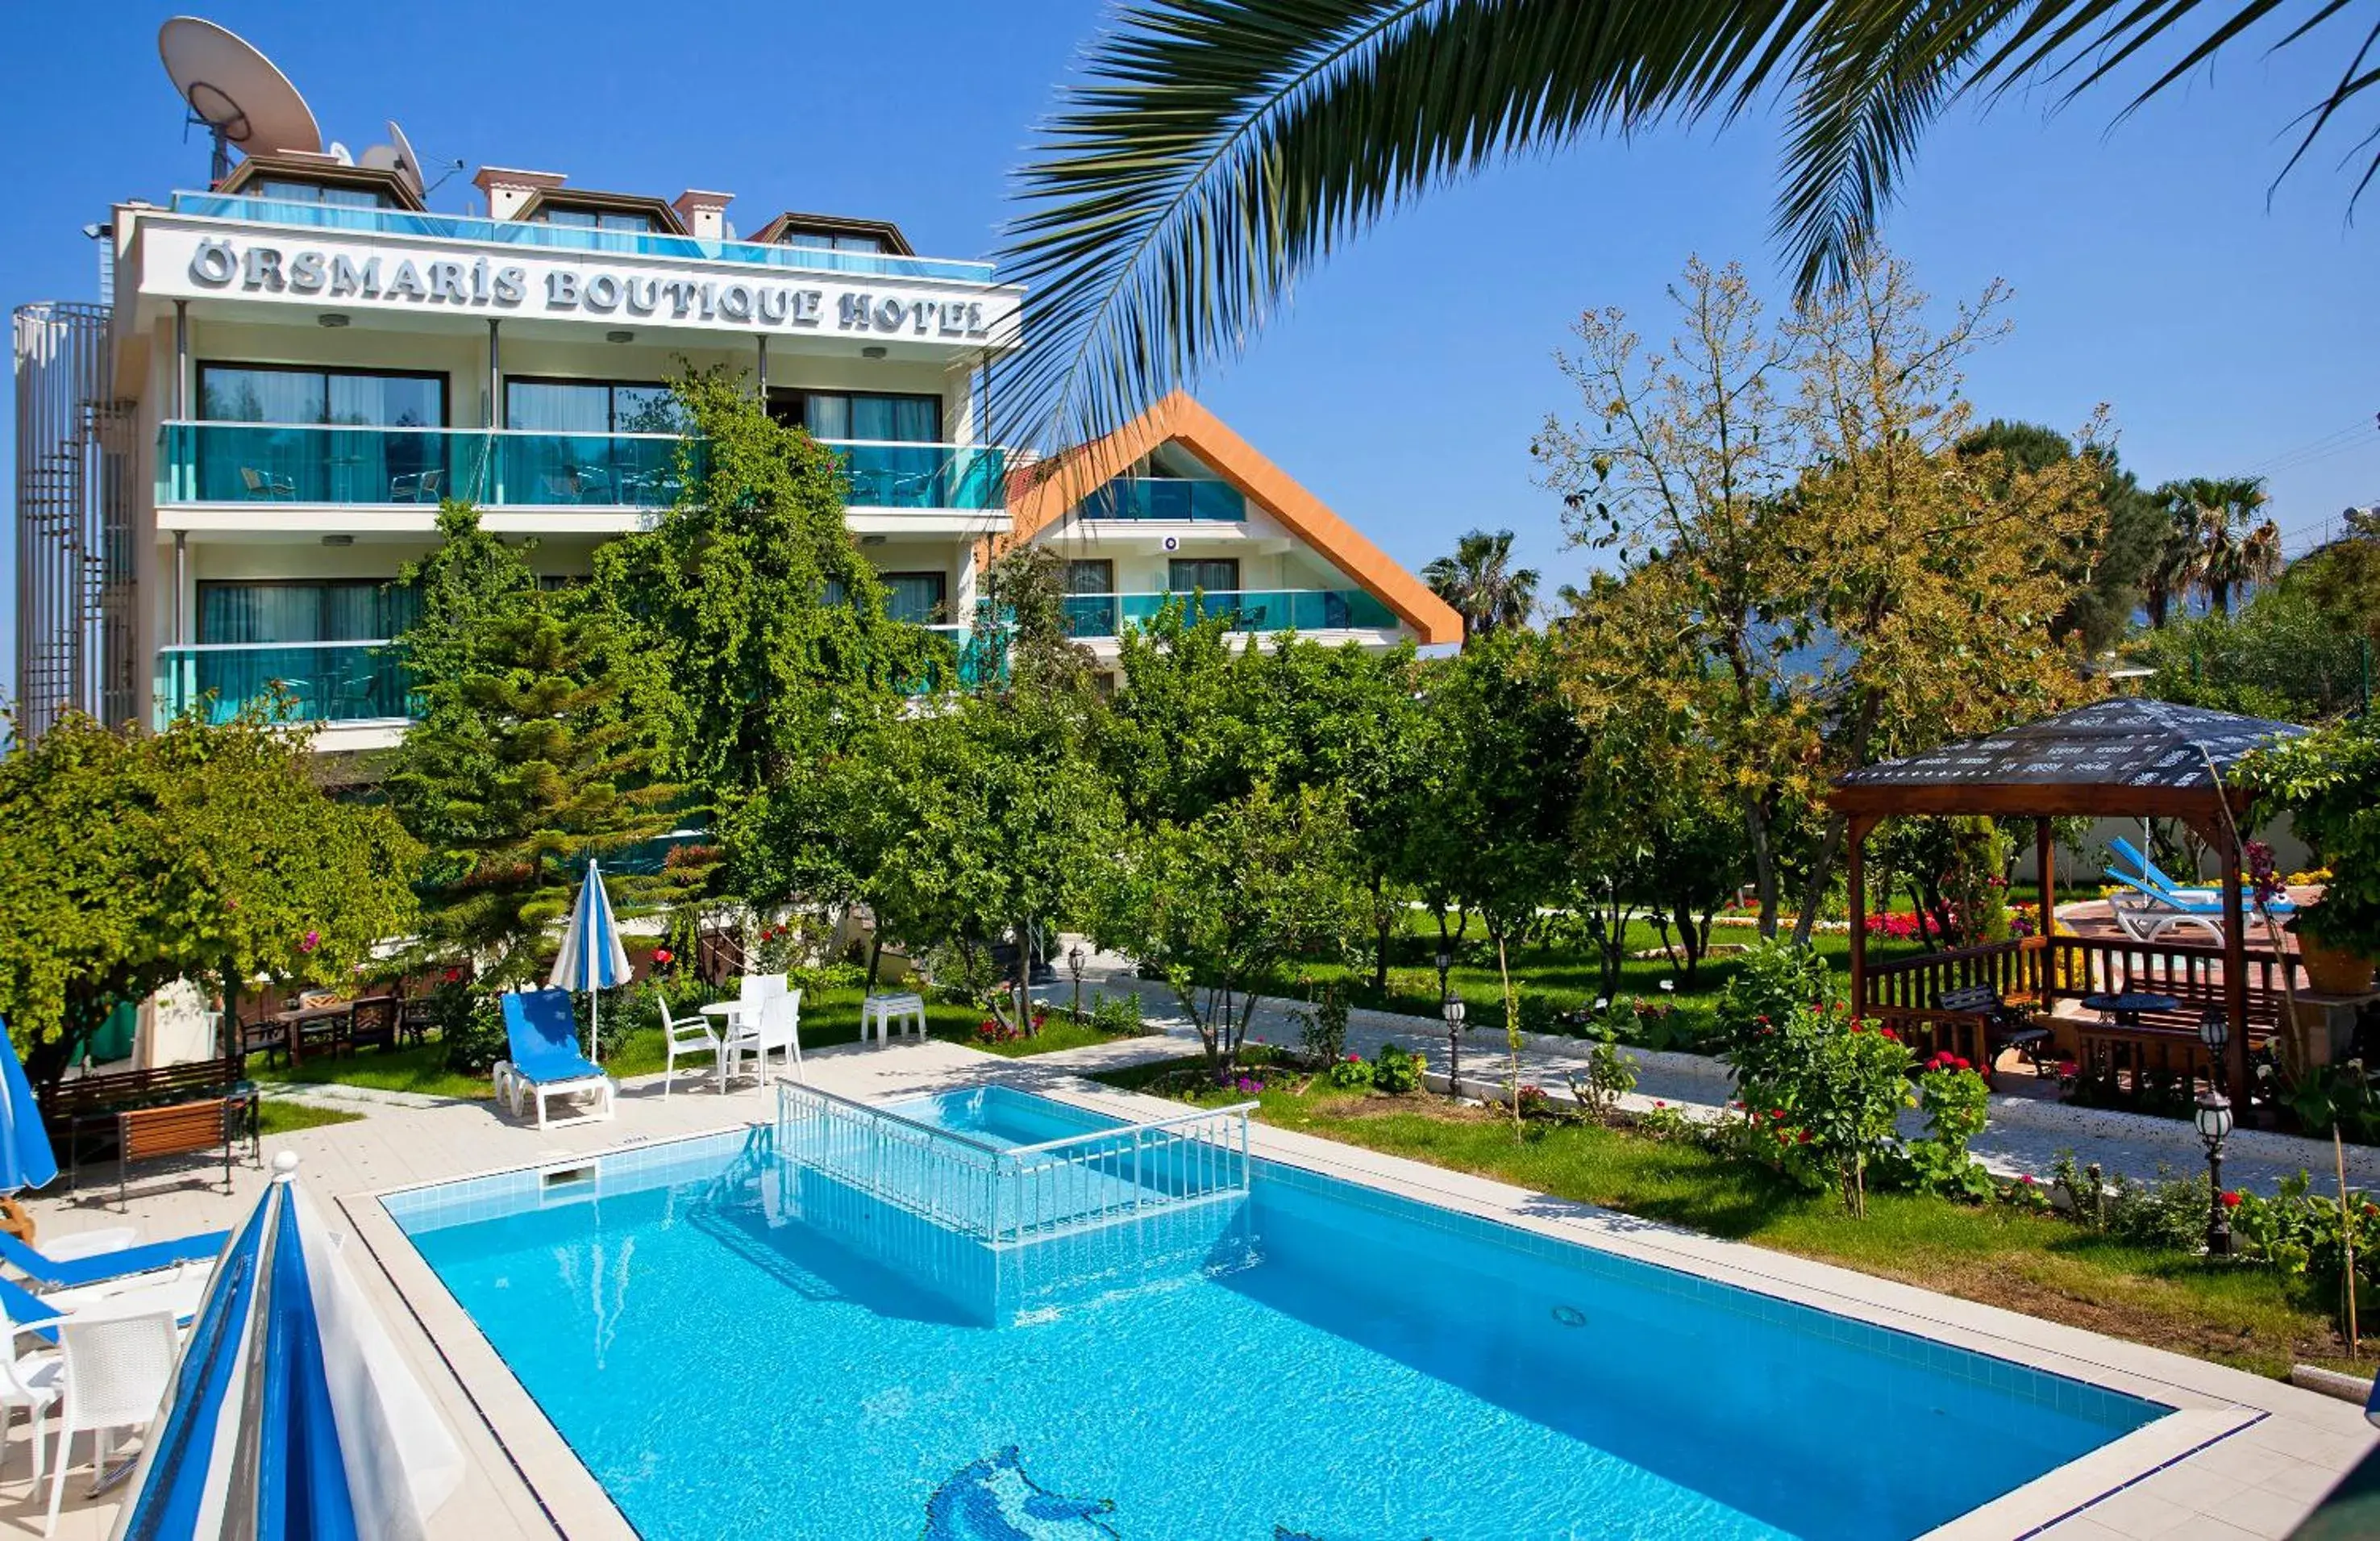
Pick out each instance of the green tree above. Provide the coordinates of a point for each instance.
(2107, 563)
(129, 859)
(1482, 585)
(532, 754)
(1213, 150)
(2283, 655)
(2343, 576)
(1217, 905)
(2220, 547)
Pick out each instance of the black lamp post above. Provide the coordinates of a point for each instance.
(1452, 1010)
(1075, 958)
(2215, 1032)
(2213, 1120)
(1445, 964)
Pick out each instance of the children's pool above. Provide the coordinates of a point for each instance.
(1352, 1364)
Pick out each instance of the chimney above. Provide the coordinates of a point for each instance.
(507, 190)
(702, 212)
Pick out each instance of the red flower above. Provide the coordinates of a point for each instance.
(1859, 1026)
(1776, 1112)
(1890, 1034)
(663, 954)
(2026, 1179)
(2232, 1199)
(1805, 1136)
(1657, 1103)
(453, 975)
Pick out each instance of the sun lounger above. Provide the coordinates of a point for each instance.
(47, 1272)
(2147, 874)
(546, 1062)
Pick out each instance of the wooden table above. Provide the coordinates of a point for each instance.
(319, 1025)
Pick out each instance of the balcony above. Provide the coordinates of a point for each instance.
(1090, 616)
(1146, 497)
(562, 238)
(326, 682)
(263, 464)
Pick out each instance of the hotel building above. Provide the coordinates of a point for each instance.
(224, 462)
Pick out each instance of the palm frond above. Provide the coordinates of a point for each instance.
(1214, 150)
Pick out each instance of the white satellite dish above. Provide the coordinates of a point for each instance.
(379, 157)
(235, 90)
(408, 164)
(342, 154)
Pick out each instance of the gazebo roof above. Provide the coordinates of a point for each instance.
(2121, 756)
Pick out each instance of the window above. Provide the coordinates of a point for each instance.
(329, 610)
(904, 420)
(1091, 576)
(592, 406)
(1090, 597)
(916, 598)
(833, 240)
(355, 398)
(283, 191)
(595, 219)
(1214, 574)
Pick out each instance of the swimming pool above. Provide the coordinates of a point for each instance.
(728, 1354)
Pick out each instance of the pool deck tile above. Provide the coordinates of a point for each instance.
(2246, 1457)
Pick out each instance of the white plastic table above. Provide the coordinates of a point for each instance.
(732, 1015)
(886, 1014)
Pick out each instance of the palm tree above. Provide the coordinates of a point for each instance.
(1480, 583)
(2220, 550)
(1214, 149)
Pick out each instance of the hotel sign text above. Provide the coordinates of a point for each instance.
(379, 277)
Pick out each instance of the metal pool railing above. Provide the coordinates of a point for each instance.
(1004, 1195)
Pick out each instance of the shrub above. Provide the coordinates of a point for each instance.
(1825, 1091)
(471, 1027)
(2303, 1232)
(1957, 1103)
(1533, 1101)
(1536, 1011)
(2169, 1213)
(1322, 1031)
(1349, 1072)
(1396, 1070)
(1610, 1074)
(1118, 1013)
(1773, 981)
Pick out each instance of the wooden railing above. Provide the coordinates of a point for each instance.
(2036, 970)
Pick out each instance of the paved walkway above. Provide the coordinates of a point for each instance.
(2025, 1136)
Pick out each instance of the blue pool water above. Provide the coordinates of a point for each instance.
(1001, 1116)
(1384, 1370)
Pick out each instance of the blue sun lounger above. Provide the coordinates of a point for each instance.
(65, 1273)
(2157, 905)
(546, 1062)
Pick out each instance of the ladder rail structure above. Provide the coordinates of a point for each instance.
(1002, 1195)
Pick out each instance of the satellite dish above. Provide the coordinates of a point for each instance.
(235, 92)
(379, 157)
(342, 154)
(407, 163)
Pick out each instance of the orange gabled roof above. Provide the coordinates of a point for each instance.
(1049, 491)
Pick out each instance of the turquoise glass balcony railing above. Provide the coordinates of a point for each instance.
(1153, 497)
(269, 463)
(325, 682)
(888, 475)
(977, 659)
(1092, 615)
(564, 237)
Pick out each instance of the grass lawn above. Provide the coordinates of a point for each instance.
(275, 1116)
(830, 1018)
(2243, 1315)
(1568, 973)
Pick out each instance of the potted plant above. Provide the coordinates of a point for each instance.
(2329, 783)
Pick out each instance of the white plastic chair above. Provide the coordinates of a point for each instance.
(116, 1370)
(779, 1029)
(29, 1381)
(685, 1035)
(759, 986)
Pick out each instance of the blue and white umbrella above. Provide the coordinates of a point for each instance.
(291, 1413)
(591, 956)
(26, 1160)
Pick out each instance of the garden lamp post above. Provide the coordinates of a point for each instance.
(1074, 960)
(1445, 960)
(2215, 1032)
(2213, 1120)
(1452, 1010)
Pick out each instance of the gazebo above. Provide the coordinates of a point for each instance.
(2121, 757)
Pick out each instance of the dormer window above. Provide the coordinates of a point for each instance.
(835, 240)
(627, 220)
(282, 189)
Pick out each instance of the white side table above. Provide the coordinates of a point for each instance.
(884, 1015)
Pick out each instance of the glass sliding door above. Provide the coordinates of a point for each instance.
(583, 441)
(321, 645)
(319, 435)
(916, 598)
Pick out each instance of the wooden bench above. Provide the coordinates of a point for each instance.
(1997, 1025)
(180, 1129)
(84, 1112)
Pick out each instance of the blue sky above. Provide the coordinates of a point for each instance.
(1403, 384)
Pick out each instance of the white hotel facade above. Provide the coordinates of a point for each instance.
(224, 462)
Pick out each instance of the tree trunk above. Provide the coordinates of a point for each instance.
(1763, 862)
(1380, 924)
(1814, 894)
(875, 953)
